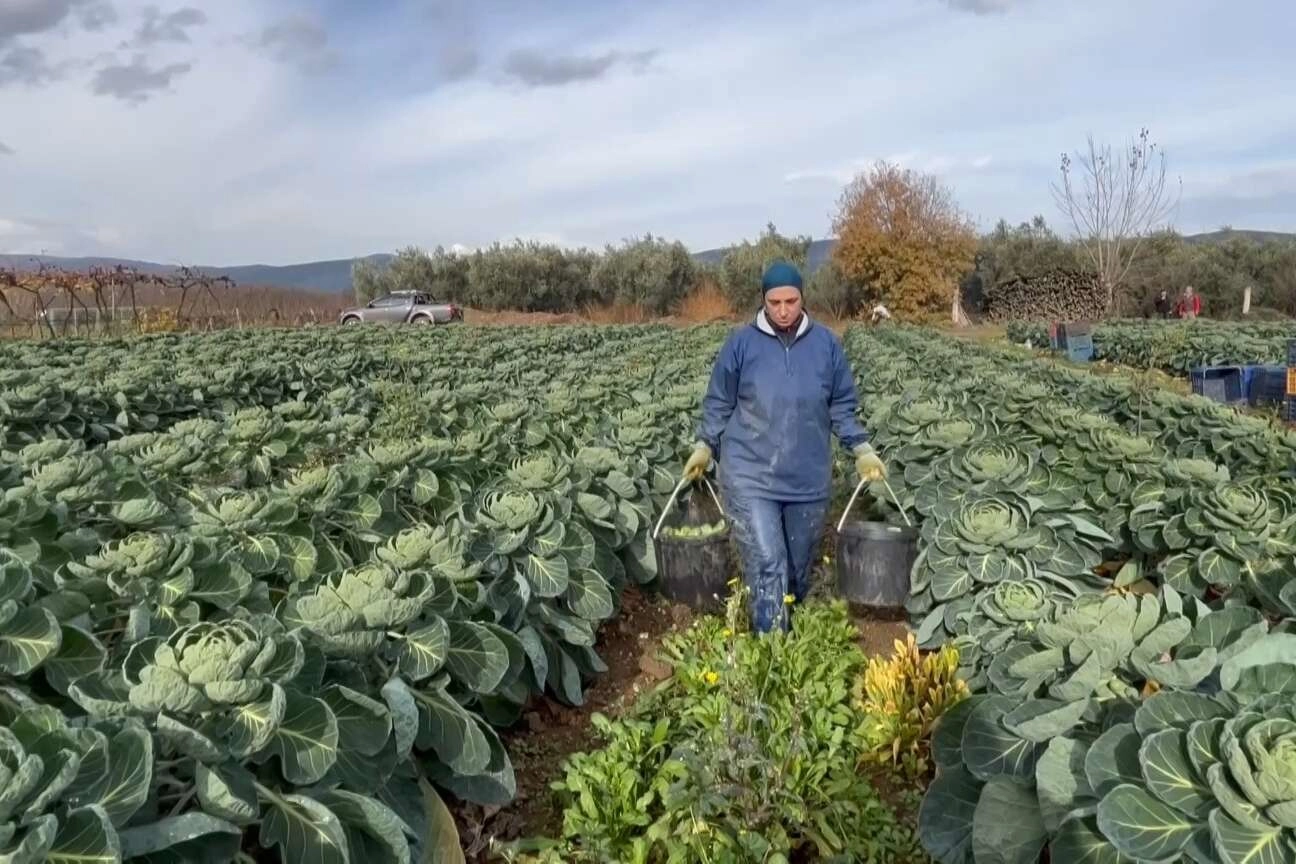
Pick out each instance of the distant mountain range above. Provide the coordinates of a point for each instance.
(334, 276)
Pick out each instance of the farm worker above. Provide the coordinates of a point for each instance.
(1163, 305)
(1190, 305)
(780, 385)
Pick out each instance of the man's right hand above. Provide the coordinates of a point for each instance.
(697, 463)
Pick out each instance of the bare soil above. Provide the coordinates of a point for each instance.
(549, 731)
(878, 633)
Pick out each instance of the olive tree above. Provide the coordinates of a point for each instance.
(440, 273)
(651, 272)
(742, 265)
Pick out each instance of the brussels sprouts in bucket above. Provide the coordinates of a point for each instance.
(693, 554)
(695, 532)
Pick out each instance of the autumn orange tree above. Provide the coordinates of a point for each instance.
(904, 242)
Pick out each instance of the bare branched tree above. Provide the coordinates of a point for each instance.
(111, 286)
(8, 285)
(188, 279)
(1114, 201)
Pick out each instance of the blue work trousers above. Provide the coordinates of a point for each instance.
(776, 544)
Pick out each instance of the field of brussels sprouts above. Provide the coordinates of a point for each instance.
(274, 595)
(1176, 346)
(268, 596)
(1117, 568)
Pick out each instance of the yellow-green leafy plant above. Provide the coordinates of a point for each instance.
(900, 698)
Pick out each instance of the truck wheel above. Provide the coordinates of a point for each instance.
(423, 319)
(350, 319)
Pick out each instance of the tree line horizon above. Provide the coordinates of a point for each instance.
(901, 239)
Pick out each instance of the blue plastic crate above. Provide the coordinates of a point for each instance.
(1266, 384)
(1071, 333)
(1221, 383)
(1248, 379)
(1079, 349)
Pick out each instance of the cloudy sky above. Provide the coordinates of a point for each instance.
(278, 131)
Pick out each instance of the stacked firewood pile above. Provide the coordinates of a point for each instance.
(1055, 295)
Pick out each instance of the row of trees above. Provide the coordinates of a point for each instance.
(1219, 268)
(538, 277)
(901, 240)
(650, 272)
(897, 244)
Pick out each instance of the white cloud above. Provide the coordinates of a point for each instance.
(983, 7)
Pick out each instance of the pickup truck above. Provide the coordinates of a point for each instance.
(403, 307)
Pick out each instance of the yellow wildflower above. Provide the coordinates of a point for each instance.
(726, 632)
(710, 677)
(788, 599)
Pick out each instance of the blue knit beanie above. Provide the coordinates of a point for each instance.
(781, 274)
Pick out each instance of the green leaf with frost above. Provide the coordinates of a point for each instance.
(227, 791)
(374, 833)
(423, 651)
(548, 577)
(190, 837)
(28, 637)
(454, 734)
(123, 786)
(476, 657)
(304, 830)
(306, 740)
(404, 714)
(85, 836)
(364, 733)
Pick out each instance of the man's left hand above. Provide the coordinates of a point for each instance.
(869, 464)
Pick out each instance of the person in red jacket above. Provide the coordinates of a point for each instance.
(1189, 304)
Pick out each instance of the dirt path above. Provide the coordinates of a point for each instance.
(550, 732)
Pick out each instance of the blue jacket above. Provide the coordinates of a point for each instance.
(769, 409)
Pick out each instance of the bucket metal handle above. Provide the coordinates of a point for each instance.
(859, 488)
(678, 487)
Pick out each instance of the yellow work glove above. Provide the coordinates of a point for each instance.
(698, 463)
(868, 464)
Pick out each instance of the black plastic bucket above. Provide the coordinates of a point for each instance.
(874, 561)
(694, 571)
